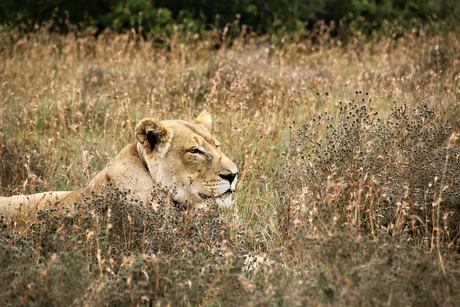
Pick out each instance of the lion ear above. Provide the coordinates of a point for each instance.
(204, 119)
(154, 136)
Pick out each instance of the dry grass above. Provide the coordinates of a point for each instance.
(72, 102)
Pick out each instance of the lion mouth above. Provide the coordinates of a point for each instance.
(225, 194)
(204, 196)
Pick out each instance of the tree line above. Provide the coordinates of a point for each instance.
(261, 16)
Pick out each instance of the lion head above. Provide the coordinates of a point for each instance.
(185, 155)
(172, 153)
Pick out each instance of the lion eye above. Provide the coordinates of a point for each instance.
(195, 150)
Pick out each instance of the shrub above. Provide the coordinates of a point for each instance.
(399, 172)
(115, 236)
(56, 281)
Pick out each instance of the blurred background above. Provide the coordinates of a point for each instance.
(261, 16)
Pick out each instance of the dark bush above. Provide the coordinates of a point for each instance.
(261, 16)
(397, 172)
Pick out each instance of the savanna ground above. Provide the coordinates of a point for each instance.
(349, 180)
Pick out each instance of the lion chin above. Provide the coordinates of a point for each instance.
(170, 153)
(225, 200)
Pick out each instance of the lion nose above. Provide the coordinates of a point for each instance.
(230, 176)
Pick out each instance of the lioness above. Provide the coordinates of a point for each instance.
(169, 153)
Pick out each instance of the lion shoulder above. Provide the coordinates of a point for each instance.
(127, 171)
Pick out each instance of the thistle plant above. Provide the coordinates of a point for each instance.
(378, 172)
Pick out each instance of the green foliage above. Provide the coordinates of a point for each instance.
(135, 15)
(261, 16)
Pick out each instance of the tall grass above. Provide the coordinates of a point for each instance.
(376, 224)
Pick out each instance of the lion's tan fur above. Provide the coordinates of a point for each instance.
(169, 153)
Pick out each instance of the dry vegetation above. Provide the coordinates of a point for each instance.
(351, 203)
